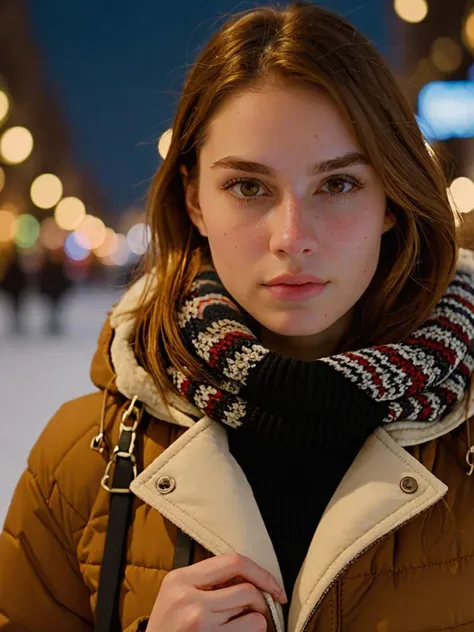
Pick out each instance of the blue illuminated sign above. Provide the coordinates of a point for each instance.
(446, 110)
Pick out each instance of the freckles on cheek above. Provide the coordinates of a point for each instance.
(345, 230)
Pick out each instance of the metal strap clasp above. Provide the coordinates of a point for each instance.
(125, 447)
(470, 460)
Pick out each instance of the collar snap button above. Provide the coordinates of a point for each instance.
(166, 484)
(409, 485)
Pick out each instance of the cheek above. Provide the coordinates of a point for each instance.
(232, 247)
(358, 231)
(353, 243)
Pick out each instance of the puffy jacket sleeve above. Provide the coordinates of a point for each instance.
(40, 585)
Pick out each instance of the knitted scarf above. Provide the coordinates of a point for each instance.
(421, 378)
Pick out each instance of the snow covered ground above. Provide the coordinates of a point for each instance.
(38, 373)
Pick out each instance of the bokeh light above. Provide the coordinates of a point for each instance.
(91, 233)
(51, 236)
(412, 11)
(46, 190)
(16, 145)
(138, 238)
(7, 226)
(468, 31)
(446, 54)
(4, 105)
(70, 213)
(2, 179)
(109, 245)
(27, 231)
(74, 250)
(462, 194)
(165, 142)
(446, 109)
(121, 256)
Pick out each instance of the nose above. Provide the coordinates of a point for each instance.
(292, 229)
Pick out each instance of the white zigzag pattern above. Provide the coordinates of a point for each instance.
(390, 375)
(235, 413)
(208, 338)
(465, 321)
(393, 379)
(238, 367)
(191, 308)
(202, 395)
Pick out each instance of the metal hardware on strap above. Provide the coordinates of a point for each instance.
(107, 613)
(99, 443)
(470, 460)
(125, 447)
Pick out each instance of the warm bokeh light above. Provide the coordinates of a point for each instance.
(446, 54)
(16, 145)
(46, 190)
(468, 31)
(51, 236)
(7, 226)
(91, 233)
(412, 11)
(2, 179)
(70, 213)
(462, 194)
(425, 72)
(4, 105)
(165, 142)
(121, 256)
(27, 231)
(109, 245)
(138, 238)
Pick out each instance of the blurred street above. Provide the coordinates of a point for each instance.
(38, 372)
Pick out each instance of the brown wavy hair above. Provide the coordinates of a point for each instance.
(311, 46)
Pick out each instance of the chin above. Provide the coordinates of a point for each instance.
(294, 324)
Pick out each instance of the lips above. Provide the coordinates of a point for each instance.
(296, 292)
(296, 279)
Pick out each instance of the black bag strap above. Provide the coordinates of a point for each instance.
(183, 550)
(107, 616)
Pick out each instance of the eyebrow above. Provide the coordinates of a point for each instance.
(339, 162)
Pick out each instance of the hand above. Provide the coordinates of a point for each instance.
(222, 594)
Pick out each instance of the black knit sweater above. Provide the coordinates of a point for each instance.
(294, 468)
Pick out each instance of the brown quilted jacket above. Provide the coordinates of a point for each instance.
(393, 552)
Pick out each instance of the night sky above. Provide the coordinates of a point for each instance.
(117, 68)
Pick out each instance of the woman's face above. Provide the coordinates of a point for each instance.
(284, 189)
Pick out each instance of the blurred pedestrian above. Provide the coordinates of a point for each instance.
(285, 395)
(53, 285)
(14, 285)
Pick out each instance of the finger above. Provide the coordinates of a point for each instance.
(253, 622)
(241, 596)
(222, 568)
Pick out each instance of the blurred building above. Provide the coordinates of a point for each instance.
(438, 78)
(440, 48)
(46, 198)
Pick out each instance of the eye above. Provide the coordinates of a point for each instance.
(338, 186)
(244, 189)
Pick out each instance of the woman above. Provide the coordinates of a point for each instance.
(290, 378)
